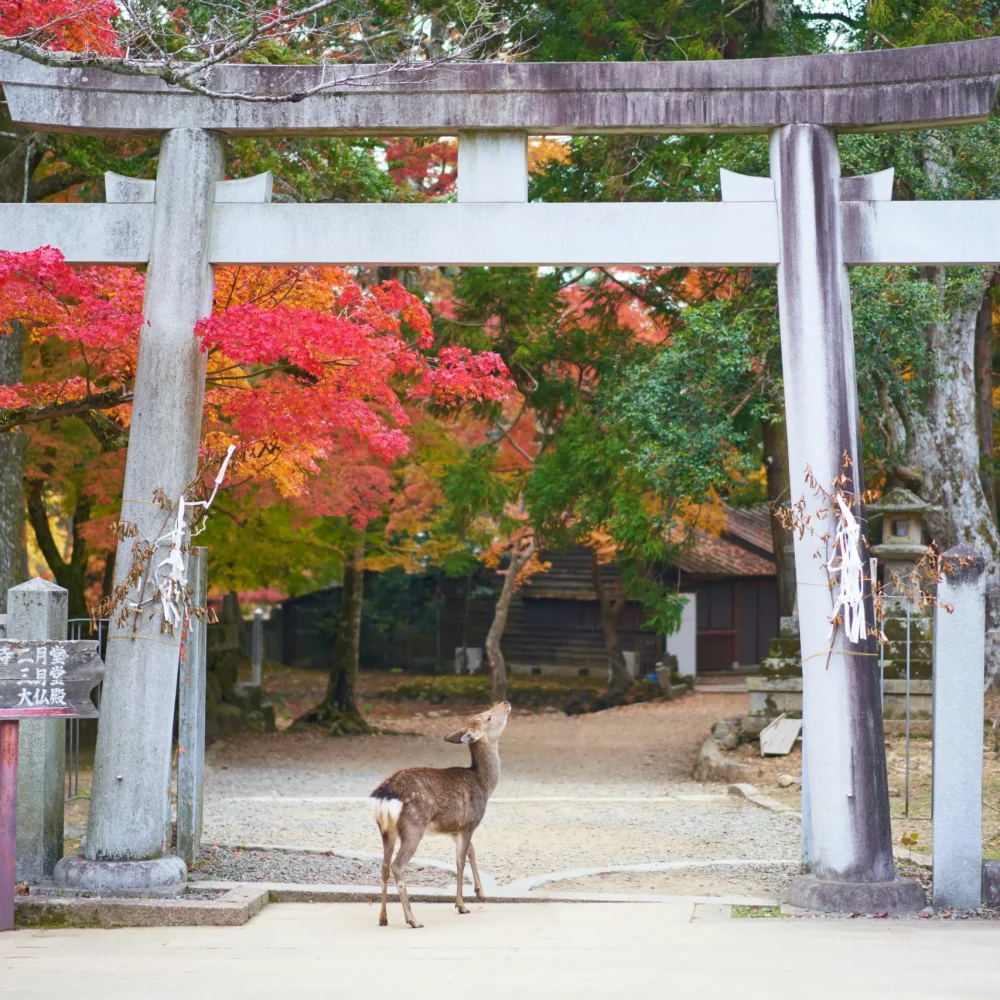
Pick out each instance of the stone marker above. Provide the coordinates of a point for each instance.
(39, 609)
(959, 664)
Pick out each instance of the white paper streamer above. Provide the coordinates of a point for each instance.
(170, 575)
(850, 598)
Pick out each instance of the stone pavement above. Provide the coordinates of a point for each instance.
(674, 950)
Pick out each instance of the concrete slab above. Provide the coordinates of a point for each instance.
(238, 904)
(500, 951)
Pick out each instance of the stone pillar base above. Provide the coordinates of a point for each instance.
(166, 876)
(902, 895)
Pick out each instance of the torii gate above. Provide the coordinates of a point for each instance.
(804, 219)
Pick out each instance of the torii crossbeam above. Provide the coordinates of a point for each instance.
(804, 219)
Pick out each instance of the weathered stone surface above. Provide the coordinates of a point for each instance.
(234, 908)
(751, 726)
(770, 696)
(231, 719)
(865, 91)
(902, 895)
(844, 776)
(713, 766)
(991, 883)
(214, 693)
(133, 755)
(247, 697)
(255, 722)
(225, 671)
(958, 741)
(37, 610)
(121, 876)
(270, 723)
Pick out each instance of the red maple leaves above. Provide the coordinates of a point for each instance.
(306, 366)
(62, 25)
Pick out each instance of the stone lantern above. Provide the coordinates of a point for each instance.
(902, 546)
(908, 629)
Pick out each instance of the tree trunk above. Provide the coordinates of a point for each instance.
(494, 655)
(108, 579)
(72, 573)
(944, 446)
(338, 711)
(342, 689)
(11, 463)
(778, 493)
(619, 680)
(984, 395)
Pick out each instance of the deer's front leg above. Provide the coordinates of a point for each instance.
(462, 844)
(480, 895)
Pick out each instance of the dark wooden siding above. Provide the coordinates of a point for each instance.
(554, 621)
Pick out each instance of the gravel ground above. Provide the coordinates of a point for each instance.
(730, 880)
(234, 865)
(552, 812)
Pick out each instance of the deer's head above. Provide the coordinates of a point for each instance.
(488, 726)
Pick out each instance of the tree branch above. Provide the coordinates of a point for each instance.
(11, 418)
(804, 15)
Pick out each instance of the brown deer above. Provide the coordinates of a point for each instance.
(449, 800)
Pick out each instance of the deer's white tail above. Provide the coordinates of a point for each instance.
(387, 814)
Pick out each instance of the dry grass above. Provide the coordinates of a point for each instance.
(909, 818)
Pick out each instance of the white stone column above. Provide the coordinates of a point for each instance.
(38, 610)
(848, 791)
(493, 166)
(959, 669)
(132, 763)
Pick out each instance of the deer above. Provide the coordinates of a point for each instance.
(448, 800)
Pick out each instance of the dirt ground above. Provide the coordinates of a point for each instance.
(598, 803)
(580, 793)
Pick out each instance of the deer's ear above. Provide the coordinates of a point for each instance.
(471, 735)
(455, 737)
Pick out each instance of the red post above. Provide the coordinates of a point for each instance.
(8, 820)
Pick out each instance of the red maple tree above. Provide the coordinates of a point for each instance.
(307, 369)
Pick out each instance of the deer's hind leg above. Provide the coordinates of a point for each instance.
(409, 841)
(388, 843)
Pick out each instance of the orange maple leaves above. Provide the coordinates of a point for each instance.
(306, 366)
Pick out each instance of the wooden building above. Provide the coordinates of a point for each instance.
(554, 624)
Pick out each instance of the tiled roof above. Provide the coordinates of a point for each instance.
(751, 524)
(720, 557)
(745, 548)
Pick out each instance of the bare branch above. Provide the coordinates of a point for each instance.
(336, 33)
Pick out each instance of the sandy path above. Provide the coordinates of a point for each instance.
(589, 791)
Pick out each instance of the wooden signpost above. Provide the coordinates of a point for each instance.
(37, 679)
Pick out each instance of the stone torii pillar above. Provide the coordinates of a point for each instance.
(132, 762)
(851, 836)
